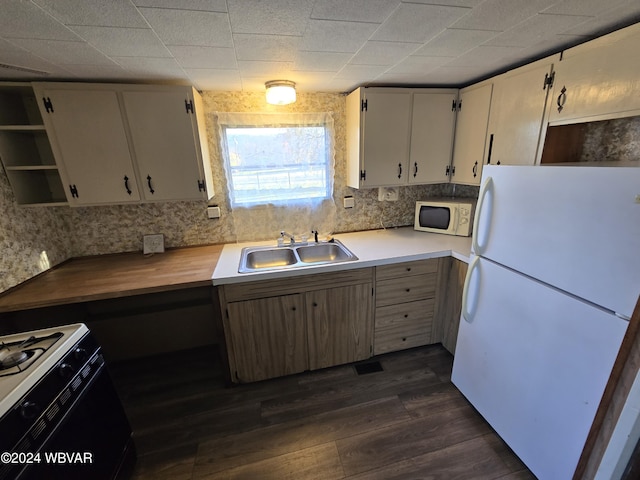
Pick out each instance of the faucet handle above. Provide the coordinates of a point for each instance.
(315, 235)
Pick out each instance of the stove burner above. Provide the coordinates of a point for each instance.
(11, 359)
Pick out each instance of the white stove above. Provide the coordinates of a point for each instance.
(26, 357)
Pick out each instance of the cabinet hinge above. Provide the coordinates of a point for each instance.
(363, 174)
(548, 80)
(74, 191)
(363, 105)
(48, 106)
(453, 170)
(447, 171)
(460, 105)
(188, 105)
(201, 186)
(453, 105)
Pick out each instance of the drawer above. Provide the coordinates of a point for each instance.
(403, 326)
(406, 289)
(417, 267)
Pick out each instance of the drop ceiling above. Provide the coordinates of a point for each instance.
(322, 45)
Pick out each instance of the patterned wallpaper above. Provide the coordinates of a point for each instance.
(64, 232)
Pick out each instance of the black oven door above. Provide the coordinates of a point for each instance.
(92, 441)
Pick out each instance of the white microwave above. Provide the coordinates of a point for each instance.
(452, 216)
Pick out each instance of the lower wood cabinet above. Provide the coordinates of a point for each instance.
(449, 302)
(279, 327)
(405, 299)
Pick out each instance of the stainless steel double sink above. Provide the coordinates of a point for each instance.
(256, 259)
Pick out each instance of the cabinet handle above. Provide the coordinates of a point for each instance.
(406, 315)
(399, 170)
(293, 308)
(126, 185)
(150, 186)
(475, 169)
(408, 269)
(562, 98)
(314, 304)
(408, 290)
(415, 170)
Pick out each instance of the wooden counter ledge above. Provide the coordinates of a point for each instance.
(111, 276)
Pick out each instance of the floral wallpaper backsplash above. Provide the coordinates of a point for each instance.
(33, 239)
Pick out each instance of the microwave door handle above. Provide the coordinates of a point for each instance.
(456, 216)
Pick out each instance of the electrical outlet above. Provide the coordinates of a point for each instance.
(388, 194)
(153, 243)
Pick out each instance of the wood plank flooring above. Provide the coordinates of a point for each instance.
(405, 422)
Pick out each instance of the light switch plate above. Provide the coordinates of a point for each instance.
(153, 243)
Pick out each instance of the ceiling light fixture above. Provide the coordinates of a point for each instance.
(280, 92)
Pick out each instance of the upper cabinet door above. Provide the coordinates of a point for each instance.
(517, 112)
(432, 127)
(471, 134)
(378, 130)
(598, 80)
(165, 144)
(90, 144)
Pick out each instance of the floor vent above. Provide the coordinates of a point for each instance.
(369, 367)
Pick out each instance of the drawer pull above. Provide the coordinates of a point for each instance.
(408, 289)
(408, 269)
(406, 315)
(404, 339)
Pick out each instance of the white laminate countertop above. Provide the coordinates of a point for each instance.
(372, 247)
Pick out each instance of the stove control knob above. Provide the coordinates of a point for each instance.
(80, 354)
(29, 410)
(66, 371)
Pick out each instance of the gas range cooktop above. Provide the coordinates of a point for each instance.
(26, 357)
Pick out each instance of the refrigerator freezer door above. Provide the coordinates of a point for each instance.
(534, 362)
(576, 228)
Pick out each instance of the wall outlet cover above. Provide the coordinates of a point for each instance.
(388, 194)
(153, 243)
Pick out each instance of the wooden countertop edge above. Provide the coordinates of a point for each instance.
(120, 275)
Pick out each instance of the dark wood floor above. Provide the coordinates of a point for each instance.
(405, 422)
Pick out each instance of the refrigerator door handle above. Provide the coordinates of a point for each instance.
(466, 314)
(486, 187)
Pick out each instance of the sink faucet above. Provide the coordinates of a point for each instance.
(285, 234)
(315, 235)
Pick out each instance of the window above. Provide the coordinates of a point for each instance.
(277, 158)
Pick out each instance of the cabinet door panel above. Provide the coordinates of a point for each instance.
(432, 128)
(89, 134)
(340, 326)
(517, 111)
(268, 337)
(386, 138)
(164, 144)
(471, 133)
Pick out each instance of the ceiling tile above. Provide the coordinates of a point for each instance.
(609, 20)
(361, 73)
(123, 42)
(446, 75)
(213, 79)
(94, 12)
(100, 72)
(201, 5)
(417, 65)
(151, 67)
(204, 57)
(487, 56)
(187, 27)
(333, 36)
(63, 52)
(277, 48)
(587, 7)
(451, 3)
(536, 29)
(321, 61)
(254, 68)
(454, 42)
(275, 17)
(383, 53)
(21, 19)
(501, 15)
(371, 11)
(412, 22)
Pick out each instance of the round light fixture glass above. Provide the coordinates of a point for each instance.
(280, 92)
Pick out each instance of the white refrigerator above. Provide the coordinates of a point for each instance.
(553, 279)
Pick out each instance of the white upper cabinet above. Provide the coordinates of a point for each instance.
(167, 153)
(432, 127)
(90, 144)
(116, 143)
(598, 80)
(398, 136)
(378, 130)
(517, 114)
(471, 134)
